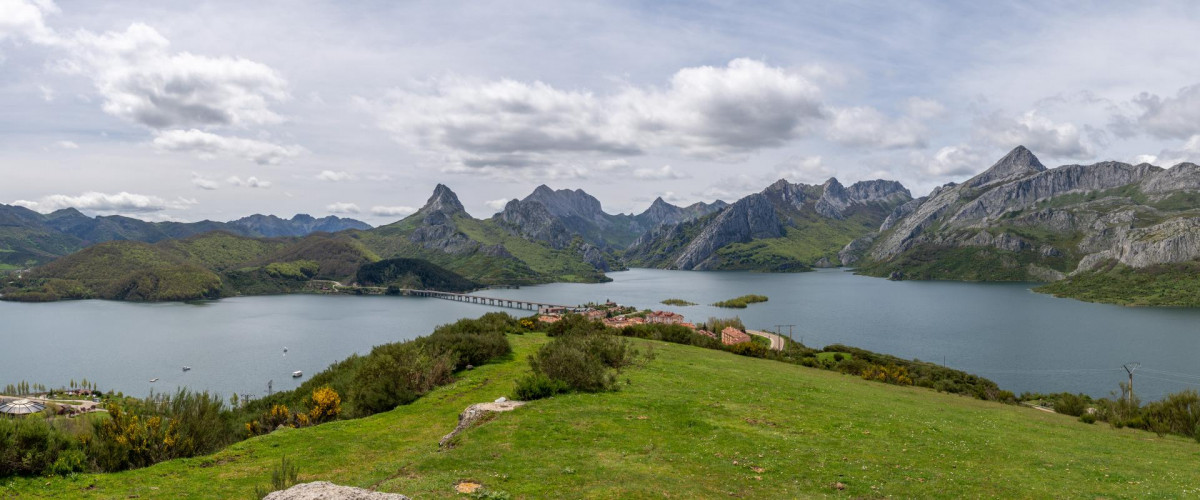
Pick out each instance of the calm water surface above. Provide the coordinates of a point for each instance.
(1023, 340)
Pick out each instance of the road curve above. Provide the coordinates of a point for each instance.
(776, 340)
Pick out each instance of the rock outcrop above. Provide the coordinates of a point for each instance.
(324, 490)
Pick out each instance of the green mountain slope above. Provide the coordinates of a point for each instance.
(208, 266)
(689, 423)
(786, 227)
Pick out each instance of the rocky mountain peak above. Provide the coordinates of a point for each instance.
(567, 203)
(443, 200)
(1017, 163)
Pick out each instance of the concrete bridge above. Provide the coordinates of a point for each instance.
(457, 297)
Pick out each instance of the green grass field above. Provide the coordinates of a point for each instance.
(689, 423)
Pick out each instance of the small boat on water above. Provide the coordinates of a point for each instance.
(187, 368)
(153, 380)
(285, 349)
(297, 374)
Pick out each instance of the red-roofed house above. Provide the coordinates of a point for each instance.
(664, 318)
(731, 335)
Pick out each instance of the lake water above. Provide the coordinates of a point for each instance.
(1023, 340)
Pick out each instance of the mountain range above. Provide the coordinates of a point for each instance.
(1108, 226)
(29, 238)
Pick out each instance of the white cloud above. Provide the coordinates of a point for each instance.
(864, 126)
(719, 112)
(47, 93)
(250, 182)
(338, 176)
(497, 204)
(1036, 132)
(664, 173)
(384, 211)
(706, 111)
(208, 145)
(26, 19)
(203, 183)
(141, 80)
(1188, 152)
(343, 208)
(805, 169)
(122, 202)
(950, 161)
(1175, 117)
(66, 145)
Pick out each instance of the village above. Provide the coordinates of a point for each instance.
(614, 315)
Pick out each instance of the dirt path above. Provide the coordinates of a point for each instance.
(776, 340)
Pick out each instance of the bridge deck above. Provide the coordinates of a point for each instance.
(464, 297)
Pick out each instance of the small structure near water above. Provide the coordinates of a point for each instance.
(22, 407)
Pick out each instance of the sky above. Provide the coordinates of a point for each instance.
(216, 110)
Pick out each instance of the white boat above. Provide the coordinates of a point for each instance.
(153, 380)
(297, 374)
(187, 368)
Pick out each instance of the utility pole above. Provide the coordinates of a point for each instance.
(1130, 369)
(779, 331)
(269, 384)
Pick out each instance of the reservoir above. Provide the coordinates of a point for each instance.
(1024, 341)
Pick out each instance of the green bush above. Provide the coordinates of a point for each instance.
(584, 362)
(397, 374)
(1071, 404)
(752, 349)
(1087, 418)
(538, 386)
(31, 446)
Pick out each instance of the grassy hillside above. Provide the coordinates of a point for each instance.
(1115, 283)
(527, 262)
(809, 239)
(200, 267)
(690, 423)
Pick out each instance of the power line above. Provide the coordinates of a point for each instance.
(1173, 374)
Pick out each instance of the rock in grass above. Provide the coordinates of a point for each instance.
(322, 490)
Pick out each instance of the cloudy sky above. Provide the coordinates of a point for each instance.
(215, 110)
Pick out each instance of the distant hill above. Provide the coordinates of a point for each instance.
(28, 238)
(298, 225)
(206, 266)
(413, 274)
(786, 227)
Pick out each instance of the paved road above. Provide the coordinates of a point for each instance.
(776, 340)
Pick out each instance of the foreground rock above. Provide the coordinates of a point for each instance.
(324, 490)
(474, 413)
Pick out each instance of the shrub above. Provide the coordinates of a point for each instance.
(1071, 404)
(326, 405)
(397, 374)
(837, 356)
(583, 362)
(538, 386)
(1087, 418)
(752, 349)
(31, 446)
